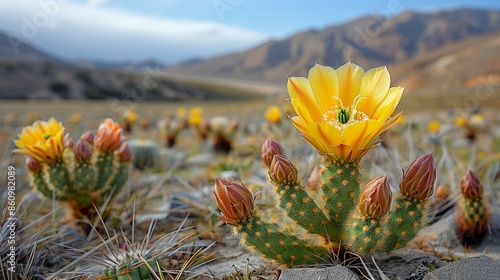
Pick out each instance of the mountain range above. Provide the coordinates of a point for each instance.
(442, 51)
(369, 41)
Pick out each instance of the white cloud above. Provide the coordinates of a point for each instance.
(76, 30)
(96, 2)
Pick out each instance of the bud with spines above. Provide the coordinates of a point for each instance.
(365, 226)
(269, 149)
(410, 211)
(472, 211)
(269, 238)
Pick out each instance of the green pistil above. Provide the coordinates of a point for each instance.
(343, 116)
(46, 136)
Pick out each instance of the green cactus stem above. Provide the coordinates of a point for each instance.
(407, 217)
(365, 235)
(277, 243)
(340, 186)
(132, 269)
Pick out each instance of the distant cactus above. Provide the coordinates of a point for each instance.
(222, 131)
(133, 267)
(79, 174)
(145, 153)
(472, 212)
(331, 213)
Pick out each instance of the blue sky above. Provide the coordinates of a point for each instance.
(175, 30)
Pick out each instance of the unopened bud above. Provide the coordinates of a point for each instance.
(33, 165)
(418, 181)
(234, 200)
(375, 197)
(470, 186)
(314, 178)
(282, 171)
(82, 150)
(68, 142)
(269, 149)
(442, 193)
(88, 136)
(124, 153)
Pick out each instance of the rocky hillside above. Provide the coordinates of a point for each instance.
(368, 41)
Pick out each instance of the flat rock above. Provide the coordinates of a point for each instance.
(478, 268)
(330, 273)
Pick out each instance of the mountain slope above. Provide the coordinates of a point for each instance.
(14, 49)
(368, 41)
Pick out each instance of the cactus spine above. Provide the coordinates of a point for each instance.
(145, 153)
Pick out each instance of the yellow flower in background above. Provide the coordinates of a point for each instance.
(181, 113)
(341, 111)
(434, 126)
(130, 116)
(195, 116)
(273, 114)
(476, 119)
(43, 141)
(75, 118)
(460, 121)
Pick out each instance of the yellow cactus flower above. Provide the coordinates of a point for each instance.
(75, 118)
(130, 116)
(181, 113)
(195, 116)
(434, 126)
(43, 141)
(273, 114)
(460, 121)
(341, 111)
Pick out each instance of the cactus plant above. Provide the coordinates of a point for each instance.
(472, 211)
(82, 174)
(340, 113)
(145, 153)
(133, 266)
(222, 131)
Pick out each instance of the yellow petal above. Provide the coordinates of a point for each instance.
(374, 86)
(360, 134)
(349, 77)
(302, 111)
(300, 89)
(325, 85)
(299, 123)
(387, 106)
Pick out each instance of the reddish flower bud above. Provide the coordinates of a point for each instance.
(124, 153)
(82, 150)
(88, 136)
(68, 142)
(282, 171)
(33, 165)
(109, 136)
(234, 200)
(269, 149)
(418, 181)
(375, 197)
(470, 186)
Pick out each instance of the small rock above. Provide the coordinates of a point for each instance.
(478, 268)
(330, 273)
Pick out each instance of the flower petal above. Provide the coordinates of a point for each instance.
(387, 106)
(325, 85)
(300, 89)
(349, 76)
(375, 87)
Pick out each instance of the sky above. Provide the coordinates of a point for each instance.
(171, 31)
